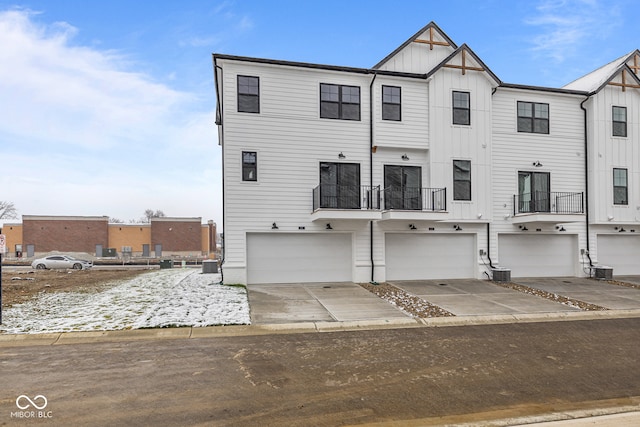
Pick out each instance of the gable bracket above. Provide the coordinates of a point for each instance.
(464, 66)
(431, 42)
(635, 67)
(624, 85)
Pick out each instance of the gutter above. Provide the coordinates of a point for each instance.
(371, 172)
(220, 122)
(586, 179)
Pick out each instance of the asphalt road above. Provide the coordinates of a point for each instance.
(467, 373)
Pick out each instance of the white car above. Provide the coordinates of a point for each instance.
(61, 261)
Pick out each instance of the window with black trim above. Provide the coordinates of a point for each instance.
(619, 115)
(461, 180)
(248, 94)
(620, 187)
(391, 107)
(339, 102)
(249, 166)
(533, 117)
(461, 108)
(339, 185)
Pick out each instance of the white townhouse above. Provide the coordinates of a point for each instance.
(425, 166)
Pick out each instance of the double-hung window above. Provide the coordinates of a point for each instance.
(619, 124)
(339, 102)
(533, 117)
(248, 94)
(391, 103)
(461, 180)
(461, 108)
(249, 166)
(620, 187)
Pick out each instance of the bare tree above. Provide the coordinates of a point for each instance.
(116, 221)
(150, 213)
(7, 210)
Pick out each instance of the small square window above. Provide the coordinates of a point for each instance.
(619, 124)
(249, 166)
(248, 94)
(391, 103)
(461, 108)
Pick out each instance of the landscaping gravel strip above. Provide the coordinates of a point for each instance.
(411, 304)
(625, 284)
(551, 296)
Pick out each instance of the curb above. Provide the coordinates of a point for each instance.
(58, 338)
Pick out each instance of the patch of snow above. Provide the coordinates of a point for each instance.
(161, 298)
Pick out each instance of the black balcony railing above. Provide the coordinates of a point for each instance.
(548, 202)
(418, 199)
(346, 197)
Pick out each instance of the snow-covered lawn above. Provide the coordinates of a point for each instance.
(161, 298)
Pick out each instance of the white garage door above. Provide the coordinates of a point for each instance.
(291, 258)
(538, 255)
(622, 252)
(430, 256)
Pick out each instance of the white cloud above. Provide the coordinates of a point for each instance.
(566, 25)
(84, 133)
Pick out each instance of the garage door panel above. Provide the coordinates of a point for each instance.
(429, 256)
(622, 252)
(291, 258)
(538, 255)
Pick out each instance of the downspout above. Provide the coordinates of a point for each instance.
(371, 173)
(495, 89)
(586, 179)
(220, 122)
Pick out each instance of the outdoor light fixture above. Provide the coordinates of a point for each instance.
(341, 156)
(523, 228)
(537, 164)
(405, 157)
(274, 226)
(560, 228)
(622, 230)
(457, 227)
(412, 227)
(329, 227)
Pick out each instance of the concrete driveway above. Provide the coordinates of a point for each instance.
(472, 297)
(593, 291)
(314, 302)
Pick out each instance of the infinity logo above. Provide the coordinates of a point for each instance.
(30, 402)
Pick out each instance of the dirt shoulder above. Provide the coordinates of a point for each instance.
(18, 287)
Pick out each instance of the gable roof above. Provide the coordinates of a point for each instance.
(431, 26)
(465, 50)
(598, 79)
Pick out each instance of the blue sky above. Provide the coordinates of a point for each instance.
(108, 106)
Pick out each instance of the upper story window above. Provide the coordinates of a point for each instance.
(391, 103)
(461, 180)
(339, 102)
(533, 117)
(248, 94)
(249, 166)
(619, 121)
(461, 108)
(620, 187)
(339, 185)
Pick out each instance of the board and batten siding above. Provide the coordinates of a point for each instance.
(418, 57)
(607, 152)
(455, 142)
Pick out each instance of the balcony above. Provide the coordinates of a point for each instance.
(414, 204)
(548, 207)
(331, 202)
